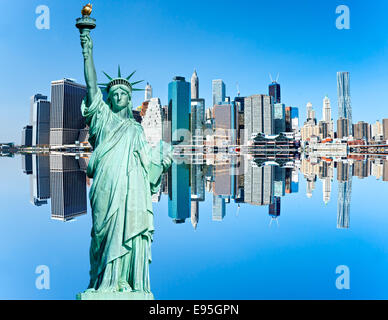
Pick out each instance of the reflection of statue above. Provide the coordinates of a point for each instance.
(125, 172)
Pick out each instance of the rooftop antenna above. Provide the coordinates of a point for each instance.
(277, 78)
(270, 76)
(238, 89)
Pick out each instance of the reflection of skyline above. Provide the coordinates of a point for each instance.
(229, 178)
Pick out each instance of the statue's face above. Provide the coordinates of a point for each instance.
(120, 99)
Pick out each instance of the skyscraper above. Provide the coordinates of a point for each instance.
(218, 91)
(40, 120)
(258, 115)
(65, 112)
(274, 91)
(280, 118)
(194, 86)
(27, 136)
(147, 92)
(179, 109)
(344, 101)
(152, 122)
(326, 111)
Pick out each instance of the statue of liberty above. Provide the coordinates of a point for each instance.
(126, 171)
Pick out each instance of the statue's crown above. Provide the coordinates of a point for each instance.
(120, 80)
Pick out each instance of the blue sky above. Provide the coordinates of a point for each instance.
(237, 41)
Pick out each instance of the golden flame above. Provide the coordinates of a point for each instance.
(87, 10)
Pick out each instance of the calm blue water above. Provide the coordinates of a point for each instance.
(247, 255)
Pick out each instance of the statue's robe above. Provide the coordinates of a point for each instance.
(125, 172)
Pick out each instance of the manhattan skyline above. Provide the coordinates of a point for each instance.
(307, 55)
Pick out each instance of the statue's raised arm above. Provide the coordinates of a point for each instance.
(89, 69)
(85, 24)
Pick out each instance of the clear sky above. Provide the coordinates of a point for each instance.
(238, 41)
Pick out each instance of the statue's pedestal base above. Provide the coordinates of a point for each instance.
(97, 295)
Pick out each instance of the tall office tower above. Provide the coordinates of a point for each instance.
(280, 118)
(166, 125)
(218, 91)
(27, 163)
(179, 193)
(40, 180)
(197, 120)
(223, 181)
(239, 105)
(179, 109)
(65, 112)
(294, 119)
(274, 91)
(344, 101)
(326, 111)
(258, 115)
(27, 136)
(194, 86)
(152, 122)
(225, 116)
(258, 185)
(385, 129)
(218, 212)
(148, 92)
(274, 207)
(287, 112)
(310, 113)
(361, 130)
(343, 128)
(40, 120)
(67, 187)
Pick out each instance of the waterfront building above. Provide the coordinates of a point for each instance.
(344, 100)
(40, 120)
(280, 118)
(343, 128)
(218, 91)
(258, 115)
(179, 109)
(258, 185)
(65, 112)
(27, 136)
(197, 121)
(152, 122)
(225, 116)
(377, 132)
(362, 131)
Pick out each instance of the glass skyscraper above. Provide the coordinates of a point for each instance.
(274, 91)
(218, 91)
(344, 101)
(179, 109)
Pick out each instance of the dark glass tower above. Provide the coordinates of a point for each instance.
(274, 91)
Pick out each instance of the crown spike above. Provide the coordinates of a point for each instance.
(129, 77)
(119, 72)
(136, 82)
(108, 76)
